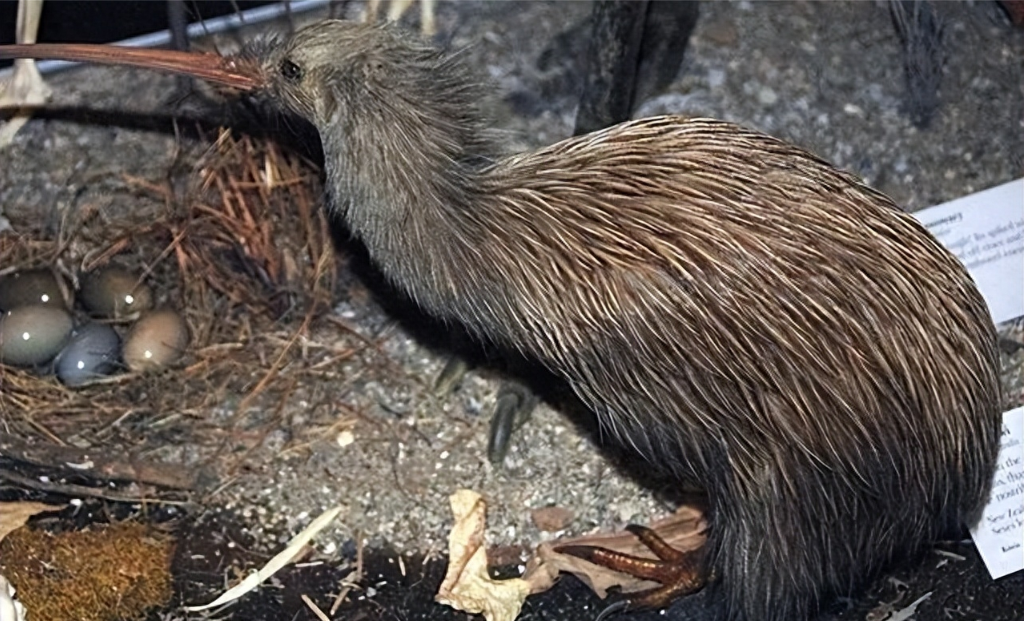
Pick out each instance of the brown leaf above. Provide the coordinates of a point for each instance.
(13, 515)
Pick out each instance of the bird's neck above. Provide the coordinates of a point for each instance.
(409, 191)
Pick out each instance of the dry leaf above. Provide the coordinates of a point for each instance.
(13, 515)
(467, 586)
(552, 519)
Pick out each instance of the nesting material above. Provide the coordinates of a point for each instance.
(295, 549)
(242, 249)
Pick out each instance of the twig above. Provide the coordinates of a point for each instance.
(94, 463)
(316, 609)
(352, 579)
(69, 489)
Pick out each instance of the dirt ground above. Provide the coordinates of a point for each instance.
(826, 76)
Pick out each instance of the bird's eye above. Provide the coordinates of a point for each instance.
(290, 71)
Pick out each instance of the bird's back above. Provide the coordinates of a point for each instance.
(753, 319)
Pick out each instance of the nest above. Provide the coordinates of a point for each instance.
(245, 253)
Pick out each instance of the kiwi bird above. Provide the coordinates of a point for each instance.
(741, 313)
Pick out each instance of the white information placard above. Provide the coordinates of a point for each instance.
(986, 231)
(1000, 535)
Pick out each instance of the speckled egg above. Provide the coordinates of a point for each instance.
(35, 286)
(91, 353)
(156, 340)
(31, 335)
(114, 292)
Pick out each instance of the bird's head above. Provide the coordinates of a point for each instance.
(335, 69)
(341, 76)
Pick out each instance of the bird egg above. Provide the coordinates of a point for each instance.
(35, 286)
(91, 353)
(156, 340)
(33, 334)
(115, 292)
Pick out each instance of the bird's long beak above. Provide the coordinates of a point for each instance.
(239, 73)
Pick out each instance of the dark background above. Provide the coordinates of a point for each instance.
(108, 22)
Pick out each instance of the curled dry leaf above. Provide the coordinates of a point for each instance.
(467, 586)
(13, 515)
(684, 530)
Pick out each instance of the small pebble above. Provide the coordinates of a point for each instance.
(156, 340)
(552, 519)
(722, 33)
(767, 96)
(34, 334)
(716, 78)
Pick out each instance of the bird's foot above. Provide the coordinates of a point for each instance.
(512, 408)
(679, 573)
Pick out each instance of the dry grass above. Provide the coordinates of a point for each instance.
(244, 251)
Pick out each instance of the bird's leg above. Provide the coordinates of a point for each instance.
(513, 406)
(679, 573)
(371, 11)
(636, 49)
(397, 8)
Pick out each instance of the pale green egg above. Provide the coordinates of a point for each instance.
(31, 335)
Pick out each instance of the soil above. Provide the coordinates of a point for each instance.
(826, 76)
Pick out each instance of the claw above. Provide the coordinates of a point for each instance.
(656, 544)
(450, 376)
(512, 409)
(613, 609)
(679, 573)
